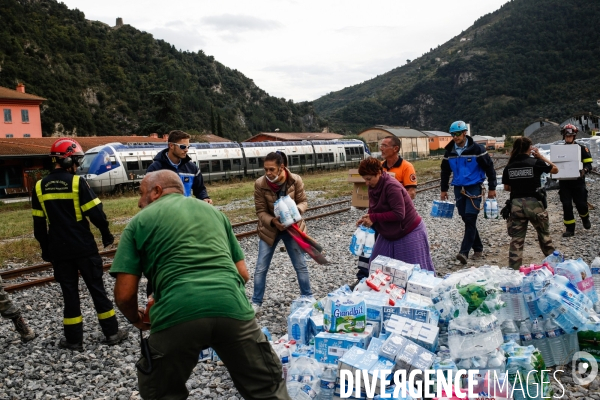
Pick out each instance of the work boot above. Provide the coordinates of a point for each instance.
(478, 255)
(462, 258)
(586, 222)
(256, 308)
(570, 230)
(117, 338)
(63, 344)
(23, 329)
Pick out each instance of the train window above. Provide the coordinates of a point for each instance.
(132, 165)
(361, 151)
(348, 151)
(261, 162)
(353, 151)
(302, 159)
(309, 158)
(237, 163)
(113, 160)
(294, 160)
(252, 160)
(319, 156)
(204, 167)
(226, 165)
(146, 164)
(215, 165)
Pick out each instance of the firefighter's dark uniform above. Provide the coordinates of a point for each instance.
(574, 191)
(64, 201)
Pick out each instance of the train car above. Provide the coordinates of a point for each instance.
(118, 166)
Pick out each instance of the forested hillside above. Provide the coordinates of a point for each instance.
(100, 80)
(529, 59)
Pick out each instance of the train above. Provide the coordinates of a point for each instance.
(121, 166)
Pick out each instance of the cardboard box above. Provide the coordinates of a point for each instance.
(329, 347)
(360, 195)
(354, 176)
(568, 161)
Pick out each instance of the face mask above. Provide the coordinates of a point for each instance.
(272, 180)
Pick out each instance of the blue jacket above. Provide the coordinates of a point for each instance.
(470, 168)
(187, 167)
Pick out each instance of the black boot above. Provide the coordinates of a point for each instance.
(23, 329)
(570, 230)
(586, 222)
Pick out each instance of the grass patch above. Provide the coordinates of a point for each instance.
(16, 232)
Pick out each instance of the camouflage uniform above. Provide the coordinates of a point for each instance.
(524, 210)
(7, 308)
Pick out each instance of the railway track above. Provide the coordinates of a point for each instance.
(26, 272)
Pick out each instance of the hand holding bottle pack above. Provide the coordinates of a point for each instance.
(362, 242)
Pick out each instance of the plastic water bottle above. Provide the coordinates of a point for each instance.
(556, 341)
(494, 209)
(291, 205)
(435, 208)
(285, 362)
(540, 341)
(369, 243)
(525, 334)
(554, 259)
(361, 239)
(487, 209)
(283, 212)
(596, 274)
(510, 332)
(328, 383)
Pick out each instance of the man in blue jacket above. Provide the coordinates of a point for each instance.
(469, 162)
(175, 158)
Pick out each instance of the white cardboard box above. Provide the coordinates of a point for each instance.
(568, 161)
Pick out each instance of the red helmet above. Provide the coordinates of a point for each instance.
(569, 129)
(66, 151)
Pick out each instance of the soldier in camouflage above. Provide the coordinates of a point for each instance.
(521, 178)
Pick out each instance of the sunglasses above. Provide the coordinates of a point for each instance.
(453, 134)
(182, 146)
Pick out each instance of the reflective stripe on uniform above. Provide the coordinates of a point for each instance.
(73, 321)
(569, 222)
(90, 204)
(107, 314)
(74, 195)
(75, 189)
(585, 215)
(38, 192)
(587, 160)
(37, 213)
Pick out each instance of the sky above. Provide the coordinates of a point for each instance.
(299, 50)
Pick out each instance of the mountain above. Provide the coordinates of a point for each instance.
(102, 80)
(529, 59)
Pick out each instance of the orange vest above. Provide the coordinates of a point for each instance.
(403, 171)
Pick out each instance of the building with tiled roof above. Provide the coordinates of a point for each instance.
(415, 144)
(21, 116)
(437, 139)
(293, 136)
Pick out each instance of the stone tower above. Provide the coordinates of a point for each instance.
(119, 23)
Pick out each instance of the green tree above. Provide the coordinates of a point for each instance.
(219, 126)
(213, 127)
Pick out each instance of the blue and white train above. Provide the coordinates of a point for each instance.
(117, 166)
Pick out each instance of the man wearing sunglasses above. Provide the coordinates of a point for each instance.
(469, 163)
(575, 191)
(175, 158)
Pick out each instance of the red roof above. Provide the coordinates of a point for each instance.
(213, 138)
(41, 146)
(9, 94)
(295, 136)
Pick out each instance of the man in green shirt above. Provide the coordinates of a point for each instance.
(189, 252)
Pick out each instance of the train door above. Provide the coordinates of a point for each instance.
(133, 170)
(341, 156)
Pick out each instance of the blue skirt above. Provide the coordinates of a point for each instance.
(412, 248)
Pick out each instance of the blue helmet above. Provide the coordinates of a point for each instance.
(458, 126)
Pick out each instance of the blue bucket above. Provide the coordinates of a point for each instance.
(188, 181)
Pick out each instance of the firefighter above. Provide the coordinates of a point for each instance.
(61, 206)
(574, 191)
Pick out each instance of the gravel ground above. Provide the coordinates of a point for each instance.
(39, 370)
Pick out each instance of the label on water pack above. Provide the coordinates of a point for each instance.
(538, 335)
(511, 336)
(554, 333)
(526, 338)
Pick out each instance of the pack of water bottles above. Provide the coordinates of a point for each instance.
(286, 209)
(362, 242)
(442, 209)
(490, 209)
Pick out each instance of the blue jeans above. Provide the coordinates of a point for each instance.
(469, 213)
(263, 262)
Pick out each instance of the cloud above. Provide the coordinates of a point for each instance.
(240, 23)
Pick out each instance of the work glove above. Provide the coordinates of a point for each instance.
(108, 239)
